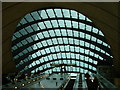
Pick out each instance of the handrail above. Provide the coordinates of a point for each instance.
(84, 83)
(64, 83)
(76, 82)
(104, 81)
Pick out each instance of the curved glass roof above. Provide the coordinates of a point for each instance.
(58, 40)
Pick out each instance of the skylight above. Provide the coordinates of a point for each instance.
(58, 36)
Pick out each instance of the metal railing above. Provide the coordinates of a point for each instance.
(103, 82)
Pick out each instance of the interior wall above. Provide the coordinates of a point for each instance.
(104, 15)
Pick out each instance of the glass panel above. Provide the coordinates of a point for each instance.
(82, 35)
(43, 52)
(72, 48)
(55, 41)
(66, 13)
(43, 14)
(54, 23)
(68, 23)
(57, 48)
(93, 39)
(88, 19)
(50, 13)
(88, 28)
(74, 14)
(92, 46)
(82, 26)
(46, 34)
(41, 25)
(29, 29)
(23, 21)
(58, 12)
(50, 42)
(48, 24)
(35, 15)
(81, 50)
(99, 41)
(17, 34)
(29, 18)
(64, 32)
(87, 44)
(75, 24)
(40, 35)
(95, 30)
(52, 34)
(58, 33)
(35, 27)
(81, 16)
(44, 43)
(60, 40)
(81, 43)
(100, 33)
(86, 51)
(76, 41)
(69, 32)
(87, 36)
(65, 41)
(52, 49)
(61, 23)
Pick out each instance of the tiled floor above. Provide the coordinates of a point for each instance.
(49, 83)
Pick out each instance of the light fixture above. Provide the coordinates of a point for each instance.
(28, 82)
(23, 84)
(16, 87)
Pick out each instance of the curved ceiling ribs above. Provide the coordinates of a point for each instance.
(58, 36)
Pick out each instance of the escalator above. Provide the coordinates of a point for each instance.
(70, 84)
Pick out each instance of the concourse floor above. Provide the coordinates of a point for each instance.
(51, 83)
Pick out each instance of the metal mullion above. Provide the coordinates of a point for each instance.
(72, 30)
(47, 67)
(58, 25)
(36, 35)
(76, 62)
(53, 30)
(64, 23)
(61, 32)
(33, 40)
(40, 62)
(90, 47)
(95, 45)
(18, 47)
(40, 28)
(22, 43)
(32, 16)
(31, 36)
(79, 41)
(52, 27)
(66, 33)
(43, 22)
(84, 46)
(29, 25)
(41, 33)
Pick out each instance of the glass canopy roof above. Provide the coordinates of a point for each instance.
(58, 40)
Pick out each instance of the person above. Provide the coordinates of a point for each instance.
(87, 76)
(88, 81)
(95, 83)
(56, 83)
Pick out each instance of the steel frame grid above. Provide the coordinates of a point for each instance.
(30, 23)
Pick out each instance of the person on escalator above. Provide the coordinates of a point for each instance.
(87, 76)
(89, 82)
(95, 83)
